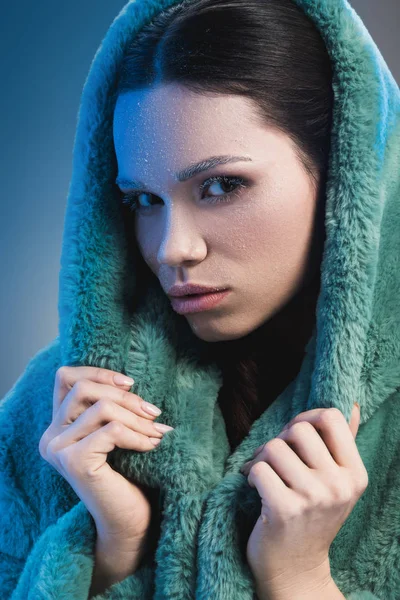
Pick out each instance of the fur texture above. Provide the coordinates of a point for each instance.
(47, 536)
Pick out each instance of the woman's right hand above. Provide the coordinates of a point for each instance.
(91, 416)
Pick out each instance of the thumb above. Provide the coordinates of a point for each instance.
(355, 419)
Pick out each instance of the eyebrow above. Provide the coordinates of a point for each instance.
(188, 172)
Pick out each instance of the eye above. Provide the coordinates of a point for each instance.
(131, 198)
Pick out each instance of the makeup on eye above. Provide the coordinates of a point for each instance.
(130, 198)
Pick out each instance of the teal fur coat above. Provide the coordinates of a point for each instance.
(47, 535)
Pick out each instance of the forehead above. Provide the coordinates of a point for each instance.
(171, 130)
(171, 115)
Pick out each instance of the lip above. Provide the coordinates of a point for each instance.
(192, 288)
(198, 302)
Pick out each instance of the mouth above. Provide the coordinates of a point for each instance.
(192, 289)
(193, 303)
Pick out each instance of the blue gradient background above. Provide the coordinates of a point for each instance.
(46, 52)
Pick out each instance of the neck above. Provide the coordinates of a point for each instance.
(256, 369)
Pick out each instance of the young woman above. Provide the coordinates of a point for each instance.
(244, 154)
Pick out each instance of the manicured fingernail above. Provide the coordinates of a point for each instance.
(155, 441)
(244, 466)
(162, 428)
(151, 409)
(123, 379)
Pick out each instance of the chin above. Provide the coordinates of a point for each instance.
(208, 333)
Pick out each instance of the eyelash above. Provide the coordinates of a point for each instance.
(130, 200)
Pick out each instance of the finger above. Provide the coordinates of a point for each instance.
(271, 489)
(86, 392)
(289, 466)
(308, 445)
(89, 448)
(309, 414)
(105, 439)
(95, 417)
(67, 377)
(68, 461)
(352, 424)
(318, 411)
(335, 432)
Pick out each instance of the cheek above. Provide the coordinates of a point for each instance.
(269, 247)
(274, 228)
(286, 229)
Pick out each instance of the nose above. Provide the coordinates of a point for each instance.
(181, 241)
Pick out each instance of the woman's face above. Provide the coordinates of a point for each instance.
(255, 240)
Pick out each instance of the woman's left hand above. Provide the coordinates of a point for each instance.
(309, 479)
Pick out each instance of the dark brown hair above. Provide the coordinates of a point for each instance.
(271, 52)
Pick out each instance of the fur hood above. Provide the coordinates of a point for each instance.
(107, 318)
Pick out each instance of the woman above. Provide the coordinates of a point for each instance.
(272, 483)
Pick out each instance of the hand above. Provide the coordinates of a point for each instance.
(309, 479)
(92, 415)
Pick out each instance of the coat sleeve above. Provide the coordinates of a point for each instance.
(60, 565)
(39, 562)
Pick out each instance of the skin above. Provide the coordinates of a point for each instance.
(264, 243)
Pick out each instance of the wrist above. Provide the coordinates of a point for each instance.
(120, 543)
(114, 560)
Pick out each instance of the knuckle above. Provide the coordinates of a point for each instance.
(52, 446)
(341, 494)
(331, 415)
(124, 396)
(302, 507)
(128, 397)
(318, 498)
(81, 387)
(115, 428)
(301, 426)
(42, 449)
(274, 444)
(61, 373)
(362, 481)
(104, 407)
(66, 458)
(43, 445)
(257, 468)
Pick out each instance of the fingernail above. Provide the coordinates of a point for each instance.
(120, 379)
(151, 409)
(244, 466)
(162, 428)
(356, 404)
(155, 441)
